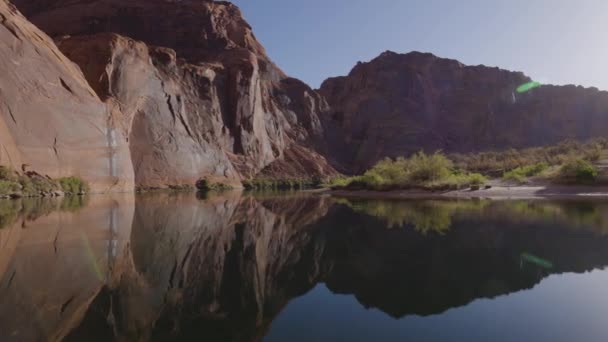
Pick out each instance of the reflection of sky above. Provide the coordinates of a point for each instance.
(553, 41)
(570, 307)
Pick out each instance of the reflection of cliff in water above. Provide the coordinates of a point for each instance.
(224, 267)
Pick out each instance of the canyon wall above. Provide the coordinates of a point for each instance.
(398, 104)
(51, 120)
(160, 93)
(182, 90)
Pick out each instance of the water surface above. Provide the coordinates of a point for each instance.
(297, 267)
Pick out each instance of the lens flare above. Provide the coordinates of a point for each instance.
(528, 86)
(533, 259)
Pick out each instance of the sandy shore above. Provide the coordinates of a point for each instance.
(496, 192)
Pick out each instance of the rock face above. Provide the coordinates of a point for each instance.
(51, 120)
(398, 104)
(160, 93)
(195, 94)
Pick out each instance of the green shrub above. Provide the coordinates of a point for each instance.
(521, 174)
(282, 184)
(207, 185)
(7, 174)
(73, 185)
(578, 170)
(457, 181)
(426, 168)
(432, 171)
(477, 179)
(496, 163)
(8, 187)
(338, 182)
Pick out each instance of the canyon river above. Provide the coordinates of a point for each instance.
(301, 267)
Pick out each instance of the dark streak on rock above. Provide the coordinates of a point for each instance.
(8, 27)
(65, 85)
(55, 241)
(55, 147)
(10, 281)
(65, 305)
(10, 112)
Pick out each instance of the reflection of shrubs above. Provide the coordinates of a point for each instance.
(9, 212)
(73, 203)
(424, 216)
(578, 170)
(33, 208)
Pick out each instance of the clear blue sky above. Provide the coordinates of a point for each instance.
(553, 41)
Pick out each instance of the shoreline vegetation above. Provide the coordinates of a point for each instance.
(569, 167)
(31, 184)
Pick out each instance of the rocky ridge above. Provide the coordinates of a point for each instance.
(398, 104)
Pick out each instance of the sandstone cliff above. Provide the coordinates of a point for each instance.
(51, 120)
(160, 93)
(185, 85)
(398, 104)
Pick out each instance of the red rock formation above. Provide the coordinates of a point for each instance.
(195, 91)
(50, 119)
(398, 104)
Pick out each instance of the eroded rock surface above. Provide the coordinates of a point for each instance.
(51, 120)
(195, 92)
(398, 104)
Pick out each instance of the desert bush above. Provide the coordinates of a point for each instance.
(8, 187)
(578, 170)
(425, 168)
(496, 163)
(207, 185)
(427, 171)
(283, 184)
(521, 174)
(73, 185)
(7, 174)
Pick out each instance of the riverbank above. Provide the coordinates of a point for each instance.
(495, 192)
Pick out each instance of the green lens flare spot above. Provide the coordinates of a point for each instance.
(528, 86)
(533, 259)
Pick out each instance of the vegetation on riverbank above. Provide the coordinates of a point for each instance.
(569, 162)
(497, 163)
(206, 185)
(421, 171)
(282, 184)
(31, 184)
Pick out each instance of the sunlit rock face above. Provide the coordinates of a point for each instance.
(398, 104)
(51, 120)
(193, 90)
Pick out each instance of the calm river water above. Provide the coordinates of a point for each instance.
(301, 267)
